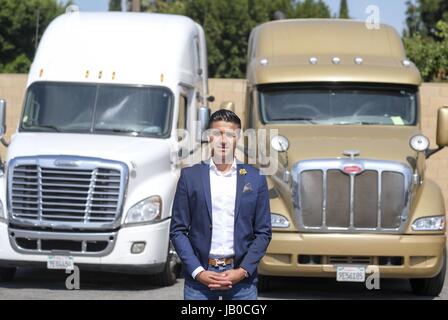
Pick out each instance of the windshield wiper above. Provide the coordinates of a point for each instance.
(53, 128)
(310, 120)
(357, 123)
(118, 130)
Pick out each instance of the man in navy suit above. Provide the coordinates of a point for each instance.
(221, 224)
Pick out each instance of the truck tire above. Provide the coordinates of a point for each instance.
(7, 274)
(170, 272)
(264, 283)
(430, 286)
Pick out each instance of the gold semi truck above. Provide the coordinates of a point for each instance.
(350, 197)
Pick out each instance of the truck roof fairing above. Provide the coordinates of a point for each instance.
(116, 47)
(326, 50)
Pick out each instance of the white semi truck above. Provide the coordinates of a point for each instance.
(90, 173)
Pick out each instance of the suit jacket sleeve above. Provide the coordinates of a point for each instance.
(180, 225)
(262, 230)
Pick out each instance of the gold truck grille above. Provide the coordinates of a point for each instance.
(375, 197)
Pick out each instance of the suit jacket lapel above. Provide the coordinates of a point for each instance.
(205, 175)
(240, 181)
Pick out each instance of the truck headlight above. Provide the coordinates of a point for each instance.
(436, 223)
(279, 221)
(147, 210)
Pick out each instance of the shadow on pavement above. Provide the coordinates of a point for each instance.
(329, 288)
(89, 280)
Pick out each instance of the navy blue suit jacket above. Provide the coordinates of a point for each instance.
(191, 221)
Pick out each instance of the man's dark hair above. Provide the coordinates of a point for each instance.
(225, 115)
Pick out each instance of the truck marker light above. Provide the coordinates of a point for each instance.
(161, 77)
(113, 75)
(358, 60)
(352, 169)
(406, 63)
(264, 62)
(100, 74)
(87, 74)
(41, 72)
(313, 60)
(336, 60)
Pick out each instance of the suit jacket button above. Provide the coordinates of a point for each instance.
(211, 227)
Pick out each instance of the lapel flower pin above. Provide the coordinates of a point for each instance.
(243, 172)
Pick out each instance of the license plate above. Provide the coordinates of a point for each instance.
(351, 274)
(60, 262)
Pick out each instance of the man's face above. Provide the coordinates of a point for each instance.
(223, 138)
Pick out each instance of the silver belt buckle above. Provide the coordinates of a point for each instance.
(221, 262)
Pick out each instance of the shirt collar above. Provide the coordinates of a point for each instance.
(228, 173)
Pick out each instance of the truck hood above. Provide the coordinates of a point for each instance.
(373, 142)
(148, 153)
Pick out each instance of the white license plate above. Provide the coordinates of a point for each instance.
(351, 274)
(60, 262)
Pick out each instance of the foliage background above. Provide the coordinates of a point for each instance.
(227, 24)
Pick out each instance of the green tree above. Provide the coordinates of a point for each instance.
(312, 9)
(263, 10)
(18, 21)
(431, 12)
(423, 15)
(343, 10)
(430, 55)
(114, 5)
(426, 37)
(413, 20)
(227, 25)
(171, 7)
(145, 5)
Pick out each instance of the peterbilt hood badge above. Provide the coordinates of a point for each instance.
(352, 169)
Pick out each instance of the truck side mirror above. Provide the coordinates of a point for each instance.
(442, 132)
(442, 127)
(203, 117)
(228, 105)
(2, 118)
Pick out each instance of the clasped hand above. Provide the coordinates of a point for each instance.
(221, 280)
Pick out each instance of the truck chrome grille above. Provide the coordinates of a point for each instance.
(88, 193)
(376, 199)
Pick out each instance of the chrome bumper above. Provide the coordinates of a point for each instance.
(62, 243)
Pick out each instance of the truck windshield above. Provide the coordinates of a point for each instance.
(97, 108)
(339, 104)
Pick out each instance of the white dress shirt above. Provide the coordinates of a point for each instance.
(223, 193)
